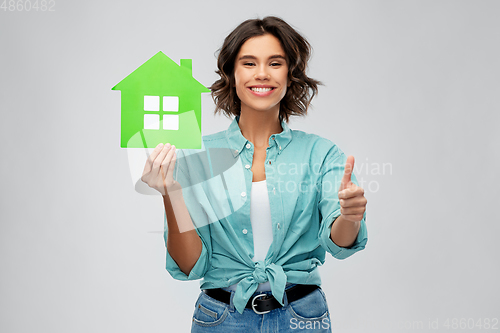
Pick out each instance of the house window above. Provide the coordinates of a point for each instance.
(151, 121)
(170, 122)
(151, 103)
(169, 104)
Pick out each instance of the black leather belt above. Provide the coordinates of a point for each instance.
(264, 303)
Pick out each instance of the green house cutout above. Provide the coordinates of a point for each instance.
(161, 103)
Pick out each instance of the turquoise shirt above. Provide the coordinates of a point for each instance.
(303, 173)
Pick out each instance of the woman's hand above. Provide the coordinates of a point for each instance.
(351, 197)
(159, 169)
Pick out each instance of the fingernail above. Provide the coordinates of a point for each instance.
(159, 145)
(173, 147)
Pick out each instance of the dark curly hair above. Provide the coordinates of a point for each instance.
(297, 51)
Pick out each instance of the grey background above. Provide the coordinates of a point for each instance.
(410, 84)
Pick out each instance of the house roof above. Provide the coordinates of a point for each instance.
(160, 75)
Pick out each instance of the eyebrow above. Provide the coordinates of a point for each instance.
(275, 56)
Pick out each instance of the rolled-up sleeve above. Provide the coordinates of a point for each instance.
(201, 266)
(331, 173)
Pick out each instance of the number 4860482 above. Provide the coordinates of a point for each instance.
(28, 5)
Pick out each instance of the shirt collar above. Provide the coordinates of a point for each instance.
(237, 141)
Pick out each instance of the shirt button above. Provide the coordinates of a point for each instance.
(248, 146)
(245, 231)
(278, 225)
(280, 147)
(247, 166)
(269, 162)
(236, 152)
(243, 194)
(273, 137)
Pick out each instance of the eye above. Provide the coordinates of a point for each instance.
(248, 64)
(276, 64)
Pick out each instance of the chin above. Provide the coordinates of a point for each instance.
(261, 109)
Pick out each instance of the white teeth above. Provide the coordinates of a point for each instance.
(261, 89)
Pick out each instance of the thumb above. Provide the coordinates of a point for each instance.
(346, 179)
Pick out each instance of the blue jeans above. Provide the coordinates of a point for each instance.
(308, 314)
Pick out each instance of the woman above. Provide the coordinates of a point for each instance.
(258, 253)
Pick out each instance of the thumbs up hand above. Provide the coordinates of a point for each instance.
(351, 197)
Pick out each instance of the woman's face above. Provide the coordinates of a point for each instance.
(261, 74)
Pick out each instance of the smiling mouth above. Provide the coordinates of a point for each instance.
(261, 90)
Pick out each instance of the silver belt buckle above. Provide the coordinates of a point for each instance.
(254, 305)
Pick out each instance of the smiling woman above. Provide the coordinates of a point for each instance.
(259, 258)
(261, 75)
(293, 47)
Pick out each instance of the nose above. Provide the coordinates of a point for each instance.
(261, 73)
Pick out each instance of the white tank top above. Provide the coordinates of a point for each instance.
(260, 217)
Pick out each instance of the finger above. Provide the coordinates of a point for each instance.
(351, 192)
(149, 162)
(171, 166)
(349, 166)
(359, 201)
(352, 210)
(167, 167)
(159, 159)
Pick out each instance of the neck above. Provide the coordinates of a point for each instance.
(257, 127)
